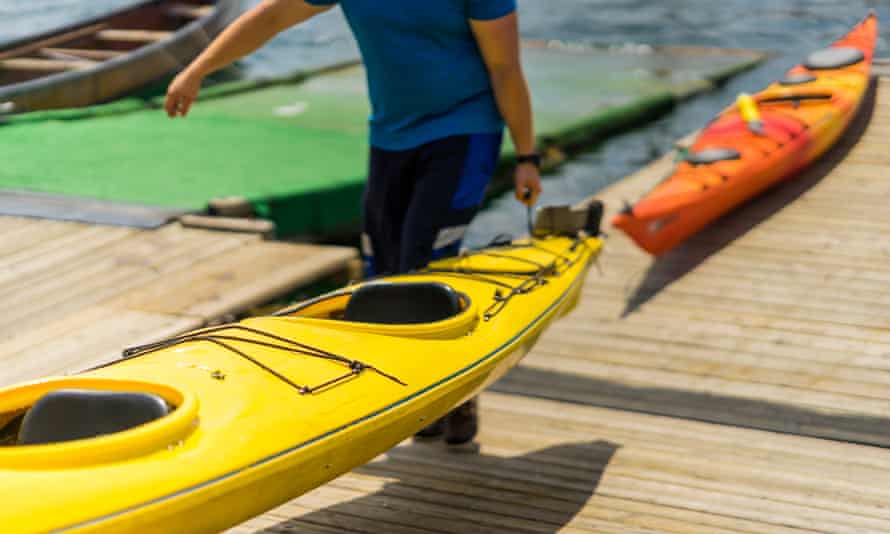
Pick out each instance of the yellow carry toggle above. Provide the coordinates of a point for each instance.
(750, 113)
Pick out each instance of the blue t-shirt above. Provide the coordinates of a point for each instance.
(426, 76)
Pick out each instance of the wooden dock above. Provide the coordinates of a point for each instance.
(75, 294)
(740, 384)
(777, 317)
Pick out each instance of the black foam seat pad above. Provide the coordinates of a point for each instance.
(403, 303)
(713, 155)
(834, 58)
(798, 79)
(71, 414)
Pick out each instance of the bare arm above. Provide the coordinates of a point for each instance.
(499, 43)
(249, 32)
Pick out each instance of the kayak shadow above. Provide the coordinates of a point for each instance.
(686, 257)
(429, 488)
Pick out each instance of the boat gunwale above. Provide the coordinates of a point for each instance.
(7, 46)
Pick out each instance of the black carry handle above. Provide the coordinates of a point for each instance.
(594, 224)
(568, 221)
(529, 211)
(526, 194)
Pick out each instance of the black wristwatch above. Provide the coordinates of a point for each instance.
(533, 158)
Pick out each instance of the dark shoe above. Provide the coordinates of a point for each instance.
(462, 423)
(432, 431)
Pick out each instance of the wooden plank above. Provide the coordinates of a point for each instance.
(709, 379)
(92, 54)
(362, 519)
(773, 337)
(480, 491)
(743, 253)
(747, 263)
(54, 40)
(63, 245)
(261, 227)
(81, 293)
(73, 342)
(106, 272)
(23, 233)
(780, 287)
(777, 329)
(189, 11)
(238, 279)
(437, 513)
(44, 65)
(697, 359)
(133, 36)
(85, 292)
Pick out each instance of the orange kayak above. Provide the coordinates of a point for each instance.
(757, 142)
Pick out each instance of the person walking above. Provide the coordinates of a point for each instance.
(444, 78)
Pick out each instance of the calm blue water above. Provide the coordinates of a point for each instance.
(790, 28)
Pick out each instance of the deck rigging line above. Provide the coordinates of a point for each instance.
(531, 281)
(356, 367)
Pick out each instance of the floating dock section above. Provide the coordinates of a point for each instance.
(75, 294)
(296, 148)
(740, 384)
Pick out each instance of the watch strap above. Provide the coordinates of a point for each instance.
(534, 159)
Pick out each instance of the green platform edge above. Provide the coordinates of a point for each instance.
(133, 103)
(295, 214)
(594, 129)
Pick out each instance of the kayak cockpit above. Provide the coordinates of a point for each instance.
(836, 57)
(710, 156)
(72, 414)
(403, 303)
(73, 422)
(408, 309)
(797, 78)
(386, 303)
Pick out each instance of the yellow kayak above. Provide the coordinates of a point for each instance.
(203, 431)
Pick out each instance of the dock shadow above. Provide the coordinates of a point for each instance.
(683, 259)
(441, 491)
(705, 406)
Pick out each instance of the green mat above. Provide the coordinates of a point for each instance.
(296, 148)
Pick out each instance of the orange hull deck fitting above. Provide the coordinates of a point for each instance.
(756, 143)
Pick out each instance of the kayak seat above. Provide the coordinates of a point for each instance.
(834, 58)
(713, 155)
(71, 414)
(402, 303)
(798, 79)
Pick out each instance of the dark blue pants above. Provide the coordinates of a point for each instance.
(419, 202)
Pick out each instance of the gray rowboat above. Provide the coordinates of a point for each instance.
(108, 57)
